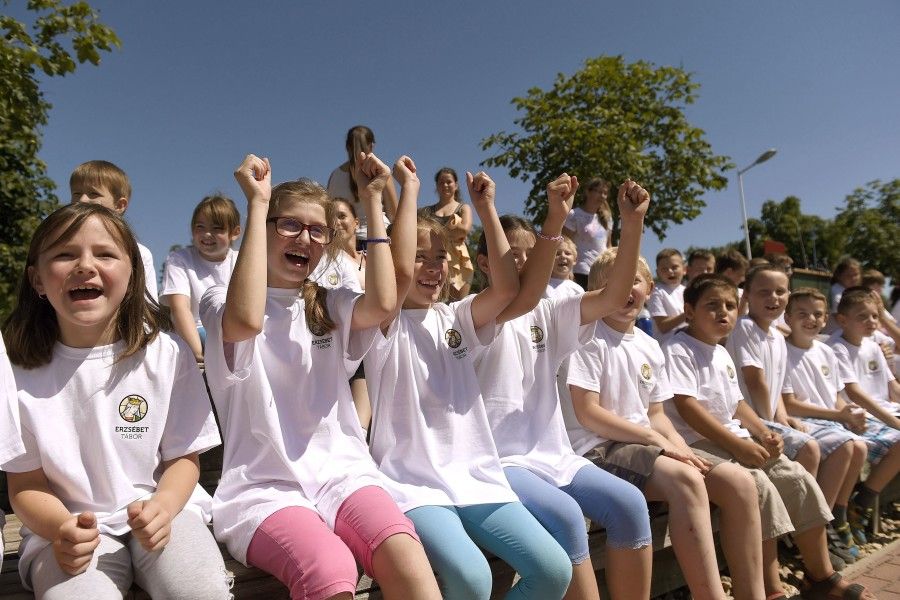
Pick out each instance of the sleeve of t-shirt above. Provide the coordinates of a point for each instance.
(349, 278)
(225, 363)
(746, 351)
(149, 271)
(175, 277)
(845, 364)
(655, 305)
(481, 338)
(571, 221)
(682, 372)
(341, 302)
(30, 458)
(190, 425)
(834, 370)
(11, 444)
(586, 366)
(563, 317)
(883, 365)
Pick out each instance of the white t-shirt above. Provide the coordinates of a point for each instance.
(751, 346)
(707, 373)
(292, 437)
(517, 376)
(562, 288)
(865, 364)
(340, 272)
(189, 274)
(11, 444)
(339, 187)
(666, 301)
(590, 237)
(627, 370)
(814, 374)
(101, 431)
(149, 270)
(429, 430)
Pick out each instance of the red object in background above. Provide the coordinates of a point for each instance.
(773, 247)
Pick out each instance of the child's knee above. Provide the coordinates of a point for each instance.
(809, 451)
(860, 450)
(460, 581)
(549, 576)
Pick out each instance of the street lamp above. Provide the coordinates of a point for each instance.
(762, 158)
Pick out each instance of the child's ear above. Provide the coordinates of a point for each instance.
(688, 312)
(483, 264)
(841, 319)
(235, 233)
(121, 205)
(35, 280)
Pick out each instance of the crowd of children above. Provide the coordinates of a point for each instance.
(367, 421)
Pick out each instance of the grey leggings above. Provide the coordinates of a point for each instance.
(190, 567)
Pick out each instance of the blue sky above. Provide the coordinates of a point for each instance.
(196, 85)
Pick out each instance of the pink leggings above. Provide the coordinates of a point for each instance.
(296, 546)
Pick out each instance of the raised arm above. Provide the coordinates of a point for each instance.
(245, 303)
(380, 298)
(633, 201)
(491, 301)
(403, 233)
(536, 272)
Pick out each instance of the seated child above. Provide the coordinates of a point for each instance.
(815, 378)
(209, 261)
(847, 274)
(713, 416)
(102, 182)
(619, 385)
(699, 262)
(10, 430)
(732, 265)
(561, 278)
(869, 383)
(666, 304)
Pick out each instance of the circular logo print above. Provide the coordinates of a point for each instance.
(646, 371)
(453, 338)
(730, 372)
(332, 279)
(873, 366)
(826, 371)
(132, 408)
(536, 334)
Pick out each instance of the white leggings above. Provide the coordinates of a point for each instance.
(190, 567)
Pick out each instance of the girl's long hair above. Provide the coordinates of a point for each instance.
(604, 213)
(32, 329)
(359, 139)
(314, 296)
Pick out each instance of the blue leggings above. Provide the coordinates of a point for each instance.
(506, 530)
(609, 501)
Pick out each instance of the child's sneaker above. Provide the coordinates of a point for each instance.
(837, 547)
(859, 519)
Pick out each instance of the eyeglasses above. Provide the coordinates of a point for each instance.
(290, 227)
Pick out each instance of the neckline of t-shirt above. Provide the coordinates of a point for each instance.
(93, 352)
(214, 263)
(274, 292)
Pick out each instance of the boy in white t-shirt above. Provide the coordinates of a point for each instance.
(10, 429)
(666, 304)
(561, 282)
(102, 182)
(209, 261)
(816, 381)
(732, 265)
(699, 262)
(868, 382)
(713, 416)
(619, 386)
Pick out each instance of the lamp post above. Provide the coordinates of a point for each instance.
(761, 159)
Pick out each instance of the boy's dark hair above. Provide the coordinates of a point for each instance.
(700, 253)
(707, 281)
(853, 297)
(507, 223)
(731, 259)
(666, 253)
(97, 173)
(763, 268)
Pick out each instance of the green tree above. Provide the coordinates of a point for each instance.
(869, 225)
(810, 239)
(615, 120)
(59, 37)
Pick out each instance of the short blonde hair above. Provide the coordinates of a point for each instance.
(603, 265)
(567, 241)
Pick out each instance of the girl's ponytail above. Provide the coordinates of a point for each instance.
(317, 318)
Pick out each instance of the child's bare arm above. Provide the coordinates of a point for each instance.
(755, 380)
(403, 234)
(151, 520)
(245, 303)
(491, 301)
(843, 413)
(633, 201)
(681, 451)
(185, 325)
(537, 270)
(856, 395)
(380, 298)
(667, 324)
(608, 424)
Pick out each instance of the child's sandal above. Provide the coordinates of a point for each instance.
(823, 590)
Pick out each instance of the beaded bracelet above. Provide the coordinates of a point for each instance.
(550, 238)
(377, 241)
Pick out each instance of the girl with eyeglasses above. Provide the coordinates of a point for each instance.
(299, 496)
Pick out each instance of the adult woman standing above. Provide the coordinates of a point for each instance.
(341, 185)
(457, 218)
(589, 225)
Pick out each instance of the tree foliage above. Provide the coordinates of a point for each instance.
(615, 120)
(59, 37)
(869, 225)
